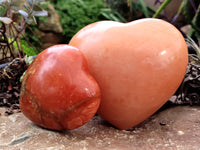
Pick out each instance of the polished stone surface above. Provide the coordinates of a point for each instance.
(175, 128)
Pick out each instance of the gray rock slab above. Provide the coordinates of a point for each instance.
(175, 128)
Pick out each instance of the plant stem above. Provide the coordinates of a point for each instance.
(179, 12)
(144, 7)
(194, 23)
(164, 4)
(195, 18)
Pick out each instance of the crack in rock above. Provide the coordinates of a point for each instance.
(19, 140)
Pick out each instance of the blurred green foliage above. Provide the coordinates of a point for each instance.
(132, 10)
(15, 17)
(195, 22)
(191, 11)
(29, 51)
(31, 35)
(75, 14)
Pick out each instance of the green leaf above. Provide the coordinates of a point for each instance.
(196, 24)
(196, 19)
(26, 16)
(27, 49)
(2, 10)
(40, 13)
(29, 21)
(112, 15)
(23, 13)
(29, 59)
(144, 8)
(187, 10)
(161, 8)
(30, 2)
(21, 78)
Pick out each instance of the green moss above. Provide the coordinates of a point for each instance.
(75, 14)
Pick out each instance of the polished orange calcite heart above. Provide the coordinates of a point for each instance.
(138, 65)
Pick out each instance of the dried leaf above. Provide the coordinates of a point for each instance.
(5, 20)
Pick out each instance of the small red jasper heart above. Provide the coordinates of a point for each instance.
(58, 91)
